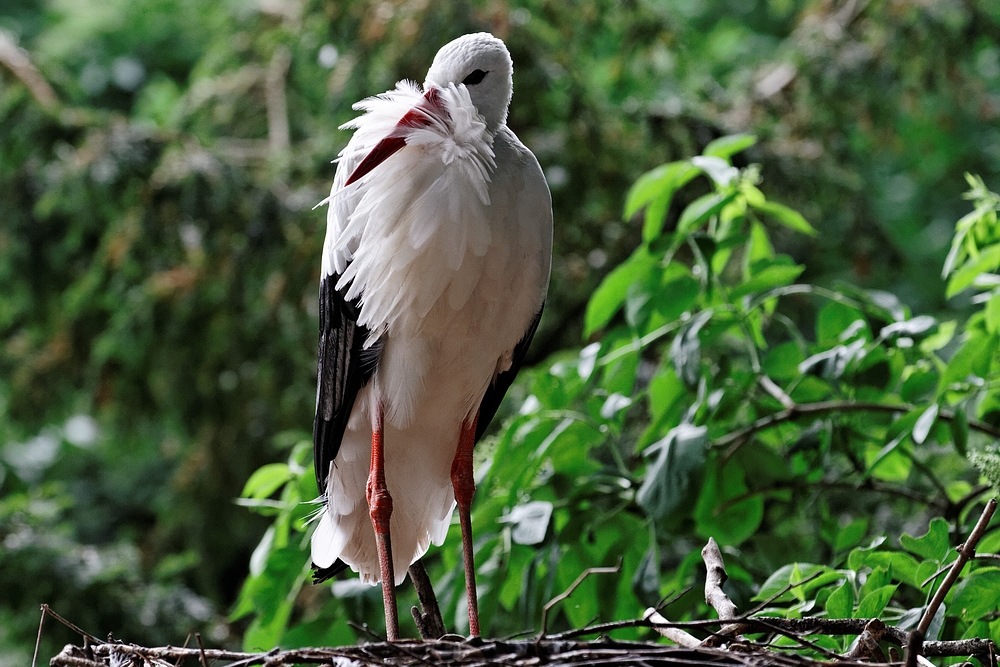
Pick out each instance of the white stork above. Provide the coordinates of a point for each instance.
(435, 269)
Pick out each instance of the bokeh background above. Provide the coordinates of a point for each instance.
(159, 251)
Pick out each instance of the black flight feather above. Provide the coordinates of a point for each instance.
(498, 389)
(345, 366)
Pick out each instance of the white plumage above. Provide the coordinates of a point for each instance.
(446, 244)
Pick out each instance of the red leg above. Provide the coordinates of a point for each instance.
(380, 509)
(465, 485)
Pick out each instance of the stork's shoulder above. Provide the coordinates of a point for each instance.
(519, 173)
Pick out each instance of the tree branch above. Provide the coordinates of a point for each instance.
(965, 552)
(428, 617)
(738, 437)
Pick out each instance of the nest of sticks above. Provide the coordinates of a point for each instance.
(719, 641)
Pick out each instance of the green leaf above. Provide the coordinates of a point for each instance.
(266, 480)
(665, 389)
(959, 426)
(850, 535)
(912, 328)
(701, 209)
(728, 146)
(833, 320)
(875, 602)
(788, 217)
(793, 573)
(680, 457)
(902, 565)
(971, 359)
(840, 604)
(646, 188)
(988, 260)
(655, 190)
(768, 278)
(924, 423)
(977, 595)
(676, 293)
(920, 384)
(933, 544)
(651, 185)
(715, 513)
(646, 580)
(993, 313)
(613, 290)
(782, 361)
(720, 171)
(685, 350)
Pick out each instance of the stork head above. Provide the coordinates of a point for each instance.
(482, 64)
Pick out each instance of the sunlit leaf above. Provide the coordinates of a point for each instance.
(872, 605)
(933, 544)
(728, 146)
(266, 480)
(720, 171)
(788, 217)
(700, 210)
(773, 276)
(840, 604)
(611, 293)
(924, 423)
(988, 260)
(793, 573)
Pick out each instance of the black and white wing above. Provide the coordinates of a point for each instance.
(498, 389)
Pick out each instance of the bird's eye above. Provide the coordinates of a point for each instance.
(476, 77)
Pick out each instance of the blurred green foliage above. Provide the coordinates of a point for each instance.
(159, 256)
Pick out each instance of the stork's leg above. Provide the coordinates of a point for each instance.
(465, 485)
(380, 508)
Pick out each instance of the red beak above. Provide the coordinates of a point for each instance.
(423, 114)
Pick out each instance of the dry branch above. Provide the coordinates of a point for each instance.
(572, 587)
(17, 61)
(715, 577)
(467, 653)
(428, 617)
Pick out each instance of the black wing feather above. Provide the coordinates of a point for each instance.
(498, 389)
(345, 366)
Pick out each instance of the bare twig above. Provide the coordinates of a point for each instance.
(739, 436)
(828, 626)
(913, 646)
(572, 587)
(38, 640)
(17, 61)
(965, 552)
(674, 597)
(676, 635)
(784, 590)
(793, 636)
(201, 650)
(776, 392)
(47, 611)
(714, 595)
(715, 577)
(430, 623)
(187, 640)
(365, 630)
(867, 646)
